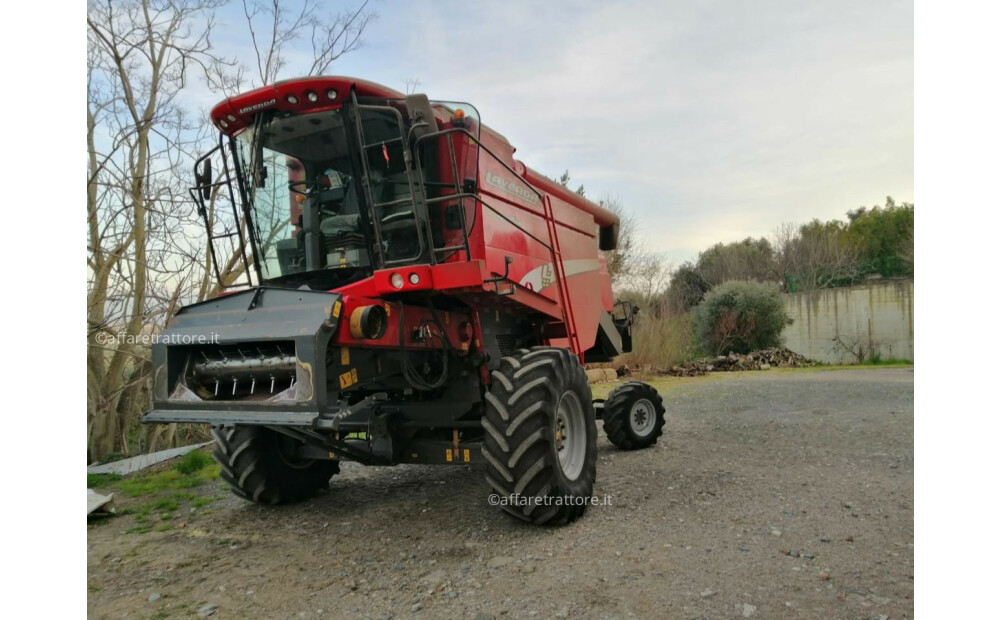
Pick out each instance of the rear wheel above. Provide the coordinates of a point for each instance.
(260, 466)
(633, 416)
(541, 436)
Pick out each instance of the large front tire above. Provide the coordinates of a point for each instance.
(541, 436)
(258, 466)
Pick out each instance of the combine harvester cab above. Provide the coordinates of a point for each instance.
(396, 288)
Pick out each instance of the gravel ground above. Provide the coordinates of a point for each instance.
(771, 494)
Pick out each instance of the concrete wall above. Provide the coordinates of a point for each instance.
(828, 324)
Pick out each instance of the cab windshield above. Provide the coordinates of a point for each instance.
(304, 199)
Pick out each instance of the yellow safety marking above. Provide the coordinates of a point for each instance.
(465, 455)
(447, 455)
(343, 261)
(465, 346)
(345, 356)
(333, 455)
(348, 379)
(387, 310)
(336, 309)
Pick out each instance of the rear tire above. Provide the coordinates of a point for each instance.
(541, 436)
(256, 464)
(633, 416)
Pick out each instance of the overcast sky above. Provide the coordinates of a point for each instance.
(711, 121)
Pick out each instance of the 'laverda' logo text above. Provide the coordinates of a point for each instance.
(515, 189)
(257, 106)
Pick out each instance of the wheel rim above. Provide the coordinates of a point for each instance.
(571, 435)
(642, 417)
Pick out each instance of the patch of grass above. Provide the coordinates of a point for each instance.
(164, 505)
(878, 360)
(101, 480)
(198, 502)
(166, 480)
(166, 488)
(193, 462)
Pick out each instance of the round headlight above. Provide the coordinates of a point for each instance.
(311, 96)
(232, 119)
(414, 278)
(223, 124)
(292, 99)
(396, 280)
(331, 94)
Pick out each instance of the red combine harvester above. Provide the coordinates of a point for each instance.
(402, 291)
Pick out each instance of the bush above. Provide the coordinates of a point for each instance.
(741, 316)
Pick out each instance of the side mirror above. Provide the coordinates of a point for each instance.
(203, 179)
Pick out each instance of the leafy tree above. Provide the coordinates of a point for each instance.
(877, 240)
(686, 289)
(750, 259)
(883, 238)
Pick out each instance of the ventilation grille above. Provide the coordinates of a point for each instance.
(507, 344)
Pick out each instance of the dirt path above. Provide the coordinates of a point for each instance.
(771, 494)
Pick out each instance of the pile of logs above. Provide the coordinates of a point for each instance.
(756, 360)
(599, 373)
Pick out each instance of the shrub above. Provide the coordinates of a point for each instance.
(741, 316)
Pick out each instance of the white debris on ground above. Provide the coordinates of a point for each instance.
(101, 504)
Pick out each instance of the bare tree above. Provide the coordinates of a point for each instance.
(140, 55)
(412, 84)
(274, 25)
(783, 240)
(647, 278)
(147, 252)
(627, 256)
